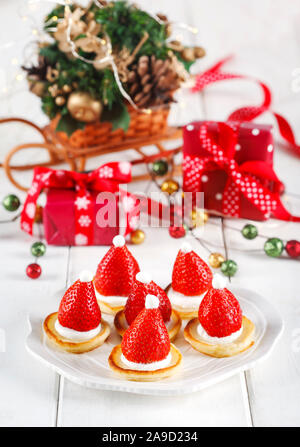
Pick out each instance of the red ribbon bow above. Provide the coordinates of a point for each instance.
(106, 178)
(248, 113)
(242, 179)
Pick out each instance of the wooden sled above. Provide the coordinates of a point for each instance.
(60, 151)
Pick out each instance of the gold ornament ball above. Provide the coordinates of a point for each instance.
(199, 217)
(199, 52)
(188, 54)
(83, 107)
(215, 260)
(60, 100)
(137, 237)
(170, 186)
(67, 88)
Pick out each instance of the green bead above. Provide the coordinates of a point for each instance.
(38, 249)
(160, 167)
(274, 247)
(249, 231)
(229, 267)
(11, 202)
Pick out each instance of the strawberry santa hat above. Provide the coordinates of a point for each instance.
(191, 275)
(147, 339)
(117, 270)
(220, 313)
(136, 300)
(79, 309)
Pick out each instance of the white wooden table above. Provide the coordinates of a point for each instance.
(264, 37)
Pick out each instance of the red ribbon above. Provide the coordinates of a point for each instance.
(106, 178)
(248, 113)
(242, 179)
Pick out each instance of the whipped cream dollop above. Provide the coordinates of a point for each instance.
(85, 276)
(219, 281)
(76, 336)
(183, 301)
(144, 277)
(147, 366)
(186, 248)
(119, 241)
(218, 340)
(112, 300)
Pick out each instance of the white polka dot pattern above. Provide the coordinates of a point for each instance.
(238, 182)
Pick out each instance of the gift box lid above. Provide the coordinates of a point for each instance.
(254, 141)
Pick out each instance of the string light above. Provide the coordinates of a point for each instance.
(32, 5)
(19, 77)
(51, 20)
(189, 28)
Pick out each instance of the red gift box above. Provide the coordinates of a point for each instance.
(237, 148)
(73, 213)
(59, 219)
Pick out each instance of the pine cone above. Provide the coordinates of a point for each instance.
(152, 81)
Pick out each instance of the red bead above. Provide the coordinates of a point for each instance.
(177, 232)
(293, 248)
(33, 271)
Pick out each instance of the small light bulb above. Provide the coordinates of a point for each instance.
(34, 32)
(32, 6)
(14, 61)
(19, 77)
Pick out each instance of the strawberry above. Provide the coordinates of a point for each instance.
(116, 271)
(220, 313)
(79, 309)
(191, 275)
(147, 339)
(137, 296)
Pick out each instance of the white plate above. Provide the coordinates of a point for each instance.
(198, 371)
